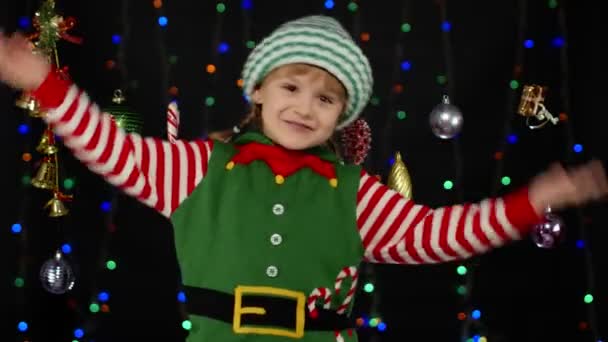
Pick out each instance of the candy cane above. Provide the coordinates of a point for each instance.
(172, 121)
(345, 273)
(316, 294)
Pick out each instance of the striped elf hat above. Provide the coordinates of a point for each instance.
(320, 41)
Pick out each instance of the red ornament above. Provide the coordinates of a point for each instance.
(356, 141)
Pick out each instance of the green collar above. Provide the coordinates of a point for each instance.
(255, 136)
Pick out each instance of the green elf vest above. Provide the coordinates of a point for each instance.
(241, 233)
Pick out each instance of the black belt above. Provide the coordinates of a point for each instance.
(279, 311)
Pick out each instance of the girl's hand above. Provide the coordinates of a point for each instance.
(20, 67)
(559, 188)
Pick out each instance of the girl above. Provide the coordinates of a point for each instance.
(269, 228)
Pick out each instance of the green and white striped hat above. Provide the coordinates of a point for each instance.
(320, 41)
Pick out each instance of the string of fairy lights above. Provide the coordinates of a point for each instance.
(447, 83)
(247, 42)
(214, 66)
(19, 228)
(168, 63)
(472, 326)
(99, 300)
(473, 329)
(574, 152)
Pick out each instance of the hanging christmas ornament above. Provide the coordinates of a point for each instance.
(126, 119)
(56, 205)
(46, 145)
(446, 119)
(550, 232)
(46, 176)
(356, 141)
(532, 108)
(56, 275)
(28, 103)
(399, 178)
(51, 27)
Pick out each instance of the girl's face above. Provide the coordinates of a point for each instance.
(300, 104)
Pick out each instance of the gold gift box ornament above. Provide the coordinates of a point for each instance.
(531, 106)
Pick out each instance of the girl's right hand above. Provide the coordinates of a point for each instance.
(20, 67)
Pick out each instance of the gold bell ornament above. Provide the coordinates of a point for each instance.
(46, 176)
(47, 143)
(399, 178)
(125, 118)
(56, 206)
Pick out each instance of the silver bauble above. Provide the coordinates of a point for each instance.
(56, 275)
(446, 119)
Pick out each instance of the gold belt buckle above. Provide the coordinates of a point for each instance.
(239, 310)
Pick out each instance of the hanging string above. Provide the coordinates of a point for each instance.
(448, 88)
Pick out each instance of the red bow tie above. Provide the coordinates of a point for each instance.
(282, 161)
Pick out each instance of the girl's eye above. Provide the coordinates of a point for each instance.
(289, 87)
(326, 99)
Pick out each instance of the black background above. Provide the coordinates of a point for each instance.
(524, 293)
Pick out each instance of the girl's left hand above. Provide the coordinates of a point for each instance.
(559, 188)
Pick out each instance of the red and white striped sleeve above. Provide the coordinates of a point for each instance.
(156, 172)
(397, 230)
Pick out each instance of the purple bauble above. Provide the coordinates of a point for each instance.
(550, 232)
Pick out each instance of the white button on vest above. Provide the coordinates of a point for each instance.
(278, 209)
(272, 271)
(276, 239)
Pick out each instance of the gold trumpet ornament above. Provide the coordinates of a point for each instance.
(531, 106)
(399, 178)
